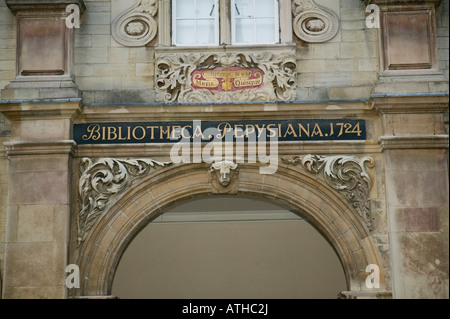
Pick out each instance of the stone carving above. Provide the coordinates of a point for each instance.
(103, 180)
(136, 26)
(174, 80)
(224, 168)
(346, 174)
(314, 23)
(224, 177)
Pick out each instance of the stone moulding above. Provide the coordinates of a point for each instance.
(136, 26)
(314, 23)
(174, 84)
(102, 181)
(346, 174)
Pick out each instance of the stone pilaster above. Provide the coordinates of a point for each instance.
(415, 146)
(38, 210)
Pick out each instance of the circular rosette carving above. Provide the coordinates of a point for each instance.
(313, 23)
(136, 26)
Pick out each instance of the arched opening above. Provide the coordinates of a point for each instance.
(229, 247)
(100, 253)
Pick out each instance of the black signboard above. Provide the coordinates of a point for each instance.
(206, 131)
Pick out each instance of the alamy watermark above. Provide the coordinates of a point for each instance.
(73, 279)
(373, 279)
(226, 143)
(373, 19)
(73, 19)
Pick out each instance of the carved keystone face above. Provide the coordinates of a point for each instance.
(224, 169)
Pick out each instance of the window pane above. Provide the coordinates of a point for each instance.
(204, 8)
(185, 32)
(244, 31)
(185, 8)
(244, 8)
(265, 8)
(205, 32)
(265, 30)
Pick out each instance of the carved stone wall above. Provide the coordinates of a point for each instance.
(174, 76)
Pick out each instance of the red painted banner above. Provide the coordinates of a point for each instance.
(227, 79)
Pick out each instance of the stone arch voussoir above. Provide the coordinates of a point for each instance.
(298, 191)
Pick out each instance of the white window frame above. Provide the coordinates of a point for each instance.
(216, 26)
(276, 26)
(166, 26)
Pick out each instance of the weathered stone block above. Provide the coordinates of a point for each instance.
(422, 219)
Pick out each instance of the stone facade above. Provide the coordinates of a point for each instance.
(381, 199)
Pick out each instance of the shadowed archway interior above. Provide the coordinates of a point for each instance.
(229, 247)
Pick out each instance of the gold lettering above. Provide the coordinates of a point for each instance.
(120, 134)
(290, 131)
(198, 132)
(272, 131)
(316, 131)
(162, 132)
(301, 128)
(223, 129)
(260, 129)
(175, 129)
(152, 131)
(249, 129)
(112, 132)
(143, 133)
(94, 133)
(182, 132)
(238, 129)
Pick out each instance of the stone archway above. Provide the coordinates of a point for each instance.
(100, 253)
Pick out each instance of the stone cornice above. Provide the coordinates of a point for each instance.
(414, 142)
(53, 110)
(427, 103)
(40, 148)
(401, 2)
(28, 5)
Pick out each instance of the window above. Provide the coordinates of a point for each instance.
(207, 22)
(254, 21)
(195, 22)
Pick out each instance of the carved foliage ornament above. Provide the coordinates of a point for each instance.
(346, 174)
(314, 23)
(102, 181)
(174, 77)
(136, 26)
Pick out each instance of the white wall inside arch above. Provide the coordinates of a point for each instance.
(229, 247)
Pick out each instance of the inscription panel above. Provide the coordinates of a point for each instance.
(172, 132)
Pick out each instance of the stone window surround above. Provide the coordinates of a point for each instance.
(165, 19)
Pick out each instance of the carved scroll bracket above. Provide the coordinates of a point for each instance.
(136, 26)
(314, 23)
(102, 181)
(346, 174)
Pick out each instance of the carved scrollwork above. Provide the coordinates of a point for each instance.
(314, 23)
(174, 84)
(136, 26)
(346, 174)
(101, 181)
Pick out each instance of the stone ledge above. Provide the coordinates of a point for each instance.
(401, 2)
(28, 5)
(40, 148)
(410, 103)
(414, 142)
